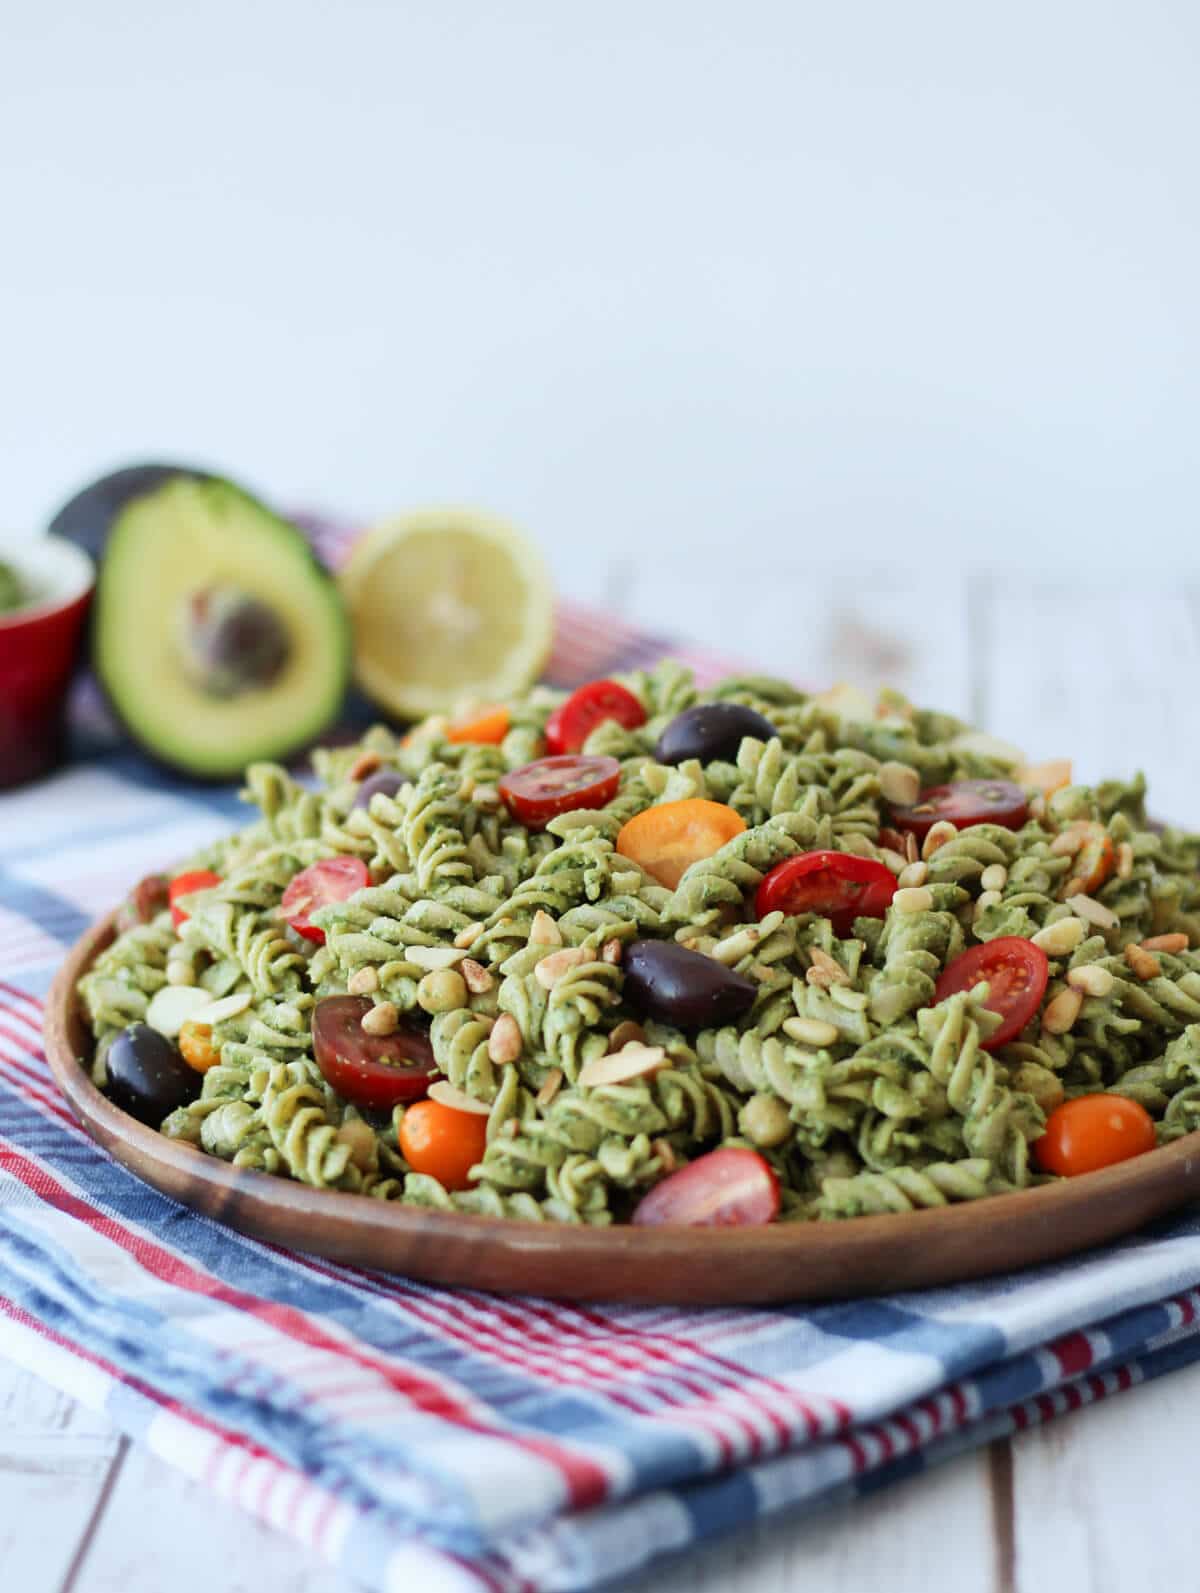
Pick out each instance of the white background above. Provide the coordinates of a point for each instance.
(789, 282)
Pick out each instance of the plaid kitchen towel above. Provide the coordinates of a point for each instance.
(445, 1439)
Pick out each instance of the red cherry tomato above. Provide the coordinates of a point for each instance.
(573, 721)
(538, 792)
(333, 879)
(1093, 1131)
(728, 1188)
(1016, 972)
(438, 1140)
(965, 802)
(834, 884)
(196, 879)
(372, 1070)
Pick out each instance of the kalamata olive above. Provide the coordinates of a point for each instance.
(144, 902)
(665, 980)
(710, 730)
(387, 780)
(232, 641)
(147, 1077)
(375, 1071)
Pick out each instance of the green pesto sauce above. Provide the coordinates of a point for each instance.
(12, 593)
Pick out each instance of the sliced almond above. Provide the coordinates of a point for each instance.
(557, 965)
(229, 1007)
(445, 1094)
(505, 1043)
(825, 970)
(1093, 911)
(1175, 943)
(543, 931)
(551, 1085)
(625, 1032)
(477, 978)
(174, 1005)
(633, 1062)
(434, 957)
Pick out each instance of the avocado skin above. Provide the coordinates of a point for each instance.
(118, 492)
(87, 518)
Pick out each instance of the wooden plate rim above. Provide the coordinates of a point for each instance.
(1037, 1222)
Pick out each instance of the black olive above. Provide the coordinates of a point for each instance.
(710, 730)
(387, 781)
(147, 1077)
(665, 980)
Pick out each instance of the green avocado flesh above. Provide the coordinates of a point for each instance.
(192, 570)
(12, 594)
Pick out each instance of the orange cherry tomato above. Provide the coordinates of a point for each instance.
(1093, 1131)
(1094, 861)
(443, 1142)
(667, 839)
(1045, 777)
(196, 1047)
(489, 725)
(196, 879)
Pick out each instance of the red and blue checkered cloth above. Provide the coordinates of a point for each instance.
(446, 1439)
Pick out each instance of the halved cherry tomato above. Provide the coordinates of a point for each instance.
(372, 1070)
(541, 790)
(1093, 1131)
(1016, 972)
(442, 1142)
(489, 725)
(333, 879)
(965, 802)
(573, 721)
(196, 1047)
(196, 879)
(833, 884)
(727, 1188)
(668, 838)
(1093, 862)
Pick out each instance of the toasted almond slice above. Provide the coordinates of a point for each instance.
(557, 965)
(551, 1085)
(229, 1007)
(625, 1032)
(1095, 912)
(434, 957)
(543, 931)
(445, 1094)
(174, 1005)
(633, 1062)
(825, 970)
(1176, 942)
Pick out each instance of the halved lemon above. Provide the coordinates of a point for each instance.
(449, 607)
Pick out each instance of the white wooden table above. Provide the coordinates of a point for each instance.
(1102, 1500)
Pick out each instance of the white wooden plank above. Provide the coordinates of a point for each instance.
(1104, 1498)
(1103, 676)
(933, 1531)
(162, 1530)
(54, 1459)
(816, 624)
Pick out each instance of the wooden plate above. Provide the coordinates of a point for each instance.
(669, 1266)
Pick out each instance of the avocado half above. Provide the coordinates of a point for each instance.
(216, 634)
(87, 518)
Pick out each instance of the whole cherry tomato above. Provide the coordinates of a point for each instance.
(1093, 1131)
(372, 1070)
(541, 790)
(834, 885)
(669, 837)
(573, 721)
(965, 802)
(196, 879)
(443, 1142)
(1016, 972)
(727, 1188)
(333, 879)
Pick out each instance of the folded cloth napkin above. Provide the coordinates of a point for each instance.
(446, 1439)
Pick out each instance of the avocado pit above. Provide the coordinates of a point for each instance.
(230, 641)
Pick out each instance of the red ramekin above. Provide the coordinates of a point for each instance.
(40, 645)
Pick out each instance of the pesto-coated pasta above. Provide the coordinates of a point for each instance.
(505, 945)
